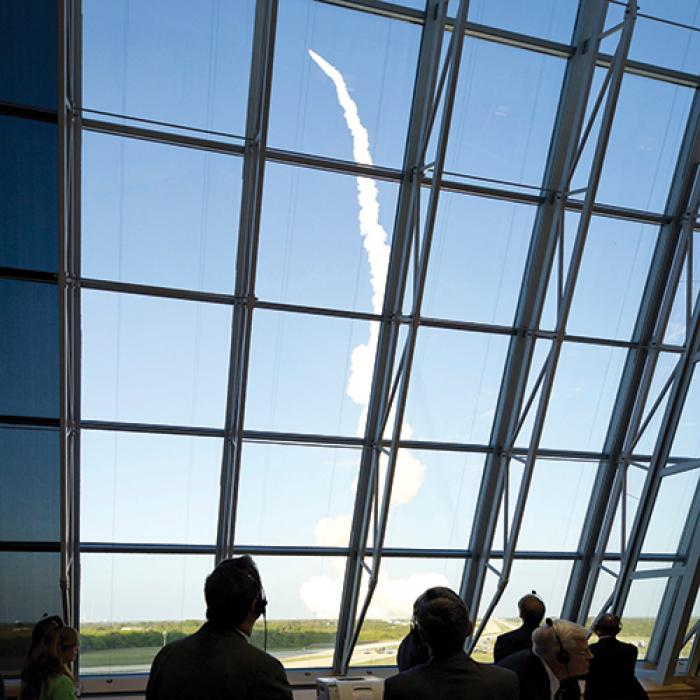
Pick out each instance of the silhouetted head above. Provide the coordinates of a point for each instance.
(607, 625)
(442, 619)
(531, 609)
(234, 593)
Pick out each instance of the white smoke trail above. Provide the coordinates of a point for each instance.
(410, 472)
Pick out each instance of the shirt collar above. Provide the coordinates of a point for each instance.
(242, 634)
(553, 680)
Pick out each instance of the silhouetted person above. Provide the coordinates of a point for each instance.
(559, 656)
(218, 661)
(442, 621)
(611, 675)
(531, 611)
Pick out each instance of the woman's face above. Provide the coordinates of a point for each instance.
(69, 652)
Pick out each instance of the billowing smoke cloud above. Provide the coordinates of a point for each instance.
(393, 597)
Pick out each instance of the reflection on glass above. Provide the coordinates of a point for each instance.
(548, 578)
(159, 214)
(686, 442)
(582, 398)
(671, 511)
(139, 487)
(611, 278)
(604, 588)
(477, 259)
(131, 605)
(324, 251)
(29, 484)
(195, 74)
(401, 581)
(504, 112)
(28, 192)
(433, 499)
(29, 587)
(309, 374)
(692, 622)
(454, 385)
(554, 524)
(376, 58)
(680, 311)
(292, 495)
(153, 360)
(636, 477)
(29, 349)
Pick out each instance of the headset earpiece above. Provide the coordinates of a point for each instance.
(563, 655)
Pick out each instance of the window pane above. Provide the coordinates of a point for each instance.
(582, 398)
(401, 581)
(28, 191)
(554, 524)
(158, 214)
(504, 112)
(454, 385)
(324, 251)
(662, 44)
(29, 484)
(611, 279)
(604, 588)
(154, 360)
(28, 52)
(477, 259)
(636, 477)
(293, 353)
(666, 363)
(694, 616)
(549, 19)
(29, 349)
(434, 499)
(311, 487)
(686, 442)
(122, 494)
(133, 604)
(375, 56)
(677, 322)
(671, 511)
(195, 74)
(548, 578)
(29, 587)
(304, 602)
(641, 609)
(644, 143)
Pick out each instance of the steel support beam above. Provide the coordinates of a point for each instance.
(426, 98)
(664, 442)
(69, 140)
(251, 201)
(565, 140)
(650, 327)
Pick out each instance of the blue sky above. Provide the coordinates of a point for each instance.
(168, 216)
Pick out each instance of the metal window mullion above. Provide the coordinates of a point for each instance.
(69, 140)
(249, 224)
(397, 274)
(452, 62)
(652, 483)
(635, 382)
(565, 139)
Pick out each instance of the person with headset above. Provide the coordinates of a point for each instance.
(559, 658)
(531, 611)
(218, 660)
(611, 675)
(441, 621)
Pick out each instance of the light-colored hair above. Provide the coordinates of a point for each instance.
(544, 639)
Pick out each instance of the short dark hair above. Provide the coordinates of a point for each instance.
(531, 608)
(608, 625)
(230, 591)
(442, 619)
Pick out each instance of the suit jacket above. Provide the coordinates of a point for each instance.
(510, 642)
(454, 678)
(611, 673)
(217, 665)
(533, 678)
